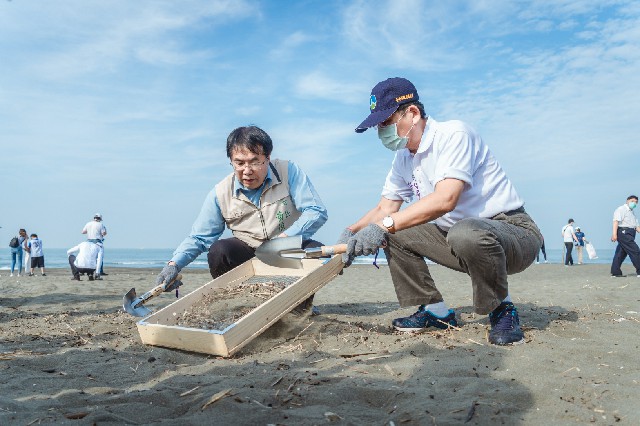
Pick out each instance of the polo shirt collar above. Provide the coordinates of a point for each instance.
(428, 135)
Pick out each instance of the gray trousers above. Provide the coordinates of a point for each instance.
(486, 249)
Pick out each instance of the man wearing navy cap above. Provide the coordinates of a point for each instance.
(467, 215)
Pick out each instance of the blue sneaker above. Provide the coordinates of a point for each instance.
(424, 319)
(505, 325)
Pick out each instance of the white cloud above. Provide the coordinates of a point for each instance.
(248, 111)
(317, 85)
(401, 34)
(287, 47)
(96, 38)
(565, 110)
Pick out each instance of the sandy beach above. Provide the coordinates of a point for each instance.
(69, 355)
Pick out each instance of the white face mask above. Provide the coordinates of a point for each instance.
(389, 137)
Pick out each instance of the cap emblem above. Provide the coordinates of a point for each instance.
(372, 102)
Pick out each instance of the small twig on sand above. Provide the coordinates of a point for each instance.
(572, 368)
(292, 384)
(471, 412)
(303, 330)
(262, 405)
(38, 420)
(355, 355)
(378, 357)
(189, 391)
(218, 396)
(449, 325)
(389, 369)
(86, 342)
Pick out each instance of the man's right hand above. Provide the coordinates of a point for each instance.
(168, 274)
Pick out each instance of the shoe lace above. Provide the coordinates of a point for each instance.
(421, 310)
(505, 319)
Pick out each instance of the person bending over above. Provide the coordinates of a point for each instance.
(262, 199)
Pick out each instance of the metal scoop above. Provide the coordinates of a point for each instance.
(288, 252)
(135, 305)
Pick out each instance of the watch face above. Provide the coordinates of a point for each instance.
(387, 221)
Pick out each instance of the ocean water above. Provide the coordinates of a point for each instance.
(157, 258)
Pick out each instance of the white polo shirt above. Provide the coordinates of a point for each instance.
(567, 234)
(625, 217)
(452, 149)
(95, 230)
(89, 254)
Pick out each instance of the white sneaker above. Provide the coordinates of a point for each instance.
(537, 263)
(11, 275)
(18, 274)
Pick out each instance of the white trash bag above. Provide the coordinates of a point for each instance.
(591, 251)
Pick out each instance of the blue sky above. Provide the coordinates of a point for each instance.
(124, 107)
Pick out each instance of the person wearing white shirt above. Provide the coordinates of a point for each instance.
(34, 245)
(625, 226)
(467, 215)
(84, 258)
(568, 236)
(96, 231)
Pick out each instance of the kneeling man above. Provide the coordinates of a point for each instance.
(85, 259)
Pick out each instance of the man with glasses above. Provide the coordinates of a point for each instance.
(467, 215)
(262, 199)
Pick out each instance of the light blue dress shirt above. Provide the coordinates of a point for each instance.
(210, 224)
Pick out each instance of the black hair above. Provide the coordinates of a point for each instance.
(631, 196)
(417, 104)
(570, 220)
(252, 138)
(34, 235)
(22, 230)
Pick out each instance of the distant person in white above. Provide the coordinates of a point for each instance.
(85, 258)
(96, 231)
(37, 255)
(568, 236)
(27, 255)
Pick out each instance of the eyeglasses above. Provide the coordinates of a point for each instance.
(254, 165)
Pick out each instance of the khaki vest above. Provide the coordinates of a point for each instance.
(255, 225)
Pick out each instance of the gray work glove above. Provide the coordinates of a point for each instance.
(367, 241)
(168, 274)
(173, 286)
(344, 238)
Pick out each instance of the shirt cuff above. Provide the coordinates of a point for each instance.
(181, 259)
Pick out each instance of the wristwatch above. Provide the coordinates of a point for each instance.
(388, 223)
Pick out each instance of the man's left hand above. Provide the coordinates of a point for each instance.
(367, 241)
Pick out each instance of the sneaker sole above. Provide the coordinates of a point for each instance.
(420, 330)
(519, 342)
(411, 330)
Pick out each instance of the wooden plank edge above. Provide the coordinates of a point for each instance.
(245, 330)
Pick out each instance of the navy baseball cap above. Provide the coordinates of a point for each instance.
(386, 98)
